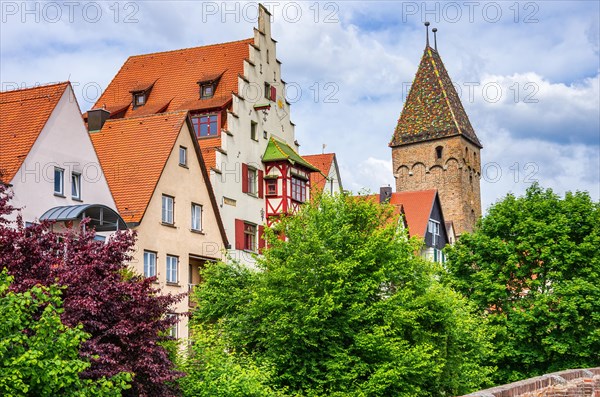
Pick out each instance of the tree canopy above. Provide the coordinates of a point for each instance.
(532, 267)
(342, 306)
(39, 355)
(123, 313)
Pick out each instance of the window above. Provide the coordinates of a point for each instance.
(139, 100)
(207, 91)
(267, 90)
(172, 264)
(298, 189)
(149, 264)
(167, 209)
(438, 152)
(433, 227)
(59, 181)
(271, 187)
(253, 131)
(252, 181)
(438, 256)
(183, 156)
(173, 329)
(206, 125)
(249, 237)
(265, 134)
(76, 186)
(196, 217)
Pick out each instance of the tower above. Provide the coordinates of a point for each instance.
(434, 145)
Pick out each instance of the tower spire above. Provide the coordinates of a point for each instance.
(434, 30)
(427, 27)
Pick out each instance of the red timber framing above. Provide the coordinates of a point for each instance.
(281, 202)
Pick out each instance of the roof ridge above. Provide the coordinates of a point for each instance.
(47, 85)
(190, 48)
(439, 79)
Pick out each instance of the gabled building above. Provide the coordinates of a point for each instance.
(328, 180)
(51, 179)
(154, 167)
(424, 218)
(235, 96)
(434, 145)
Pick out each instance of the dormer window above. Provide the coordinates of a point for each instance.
(207, 91)
(208, 84)
(139, 99)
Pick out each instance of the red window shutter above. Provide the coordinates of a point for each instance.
(239, 234)
(260, 184)
(273, 93)
(261, 239)
(244, 178)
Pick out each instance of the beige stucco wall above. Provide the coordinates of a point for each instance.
(187, 186)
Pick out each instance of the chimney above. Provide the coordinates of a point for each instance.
(96, 119)
(385, 194)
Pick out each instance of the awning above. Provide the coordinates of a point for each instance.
(102, 218)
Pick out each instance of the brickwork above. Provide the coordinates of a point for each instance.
(570, 383)
(455, 172)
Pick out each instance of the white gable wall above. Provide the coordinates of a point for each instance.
(65, 143)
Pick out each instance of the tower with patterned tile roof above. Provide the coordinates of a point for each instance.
(434, 145)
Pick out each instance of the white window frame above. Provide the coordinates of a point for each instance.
(433, 227)
(172, 266)
(76, 184)
(173, 330)
(61, 173)
(168, 212)
(183, 156)
(252, 181)
(196, 217)
(149, 266)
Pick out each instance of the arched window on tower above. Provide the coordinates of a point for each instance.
(438, 152)
(466, 152)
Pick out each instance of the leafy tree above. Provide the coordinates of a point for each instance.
(533, 269)
(343, 307)
(38, 354)
(123, 313)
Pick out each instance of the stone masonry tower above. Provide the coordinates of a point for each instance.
(435, 147)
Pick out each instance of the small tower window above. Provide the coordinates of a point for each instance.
(438, 152)
(207, 91)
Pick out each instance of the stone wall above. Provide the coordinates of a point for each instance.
(570, 383)
(456, 176)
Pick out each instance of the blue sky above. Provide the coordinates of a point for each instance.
(528, 72)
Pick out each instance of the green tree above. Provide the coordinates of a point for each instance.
(39, 356)
(533, 269)
(343, 307)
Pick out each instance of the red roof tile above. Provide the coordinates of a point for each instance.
(323, 162)
(133, 153)
(433, 108)
(417, 207)
(23, 115)
(173, 76)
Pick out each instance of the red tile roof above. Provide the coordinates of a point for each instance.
(172, 77)
(133, 153)
(417, 207)
(433, 108)
(323, 162)
(23, 115)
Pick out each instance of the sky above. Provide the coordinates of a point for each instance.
(527, 72)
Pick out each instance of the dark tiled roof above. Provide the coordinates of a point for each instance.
(433, 109)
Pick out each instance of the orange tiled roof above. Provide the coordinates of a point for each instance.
(23, 115)
(417, 207)
(133, 153)
(172, 77)
(433, 108)
(323, 162)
